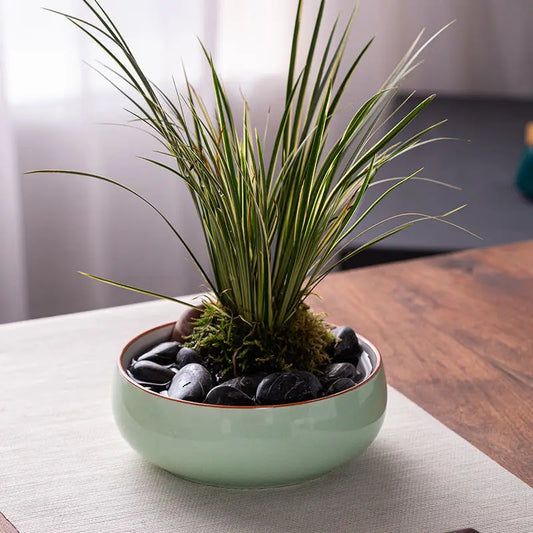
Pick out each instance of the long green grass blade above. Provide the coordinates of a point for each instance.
(147, 202)
(136, 289)
(273, 216)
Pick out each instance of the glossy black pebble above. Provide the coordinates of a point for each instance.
(187, 356)
(162, 354)
(287, 387)
(150, 372)
(191, 383)
(227, 395)
(339, 385)
(155, 387)
(246, 384)
(347, 348)
(312, 382)
(336, 371)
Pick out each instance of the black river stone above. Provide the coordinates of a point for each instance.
(162, 354)
(246, 384)
(287, 387)
(150, 372)
(156, 387)
(191, 383)
(227, 395)
(336, 371)
(187, 356)
(347, 348)
(339, 385)
(312, 382)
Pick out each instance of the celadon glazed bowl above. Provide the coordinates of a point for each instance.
(247, 447)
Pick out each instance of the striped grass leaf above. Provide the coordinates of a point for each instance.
(273, 217)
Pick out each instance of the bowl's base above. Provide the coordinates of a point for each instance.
(257, 485)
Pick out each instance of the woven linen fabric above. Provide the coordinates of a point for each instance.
(65, 468)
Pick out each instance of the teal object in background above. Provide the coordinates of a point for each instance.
(247, 447)
(524, 177)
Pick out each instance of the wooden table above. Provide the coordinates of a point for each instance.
(456, 334)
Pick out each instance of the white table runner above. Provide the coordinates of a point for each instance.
(65, 468)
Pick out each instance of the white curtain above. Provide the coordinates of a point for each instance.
(57, 104)
(13, 295)
(51, 105)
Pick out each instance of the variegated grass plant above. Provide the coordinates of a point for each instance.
(274, 217)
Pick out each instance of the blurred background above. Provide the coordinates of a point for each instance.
(55, 112)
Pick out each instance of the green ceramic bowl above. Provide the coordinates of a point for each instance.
(247, 446)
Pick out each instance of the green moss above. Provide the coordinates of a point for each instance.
(233, 347)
